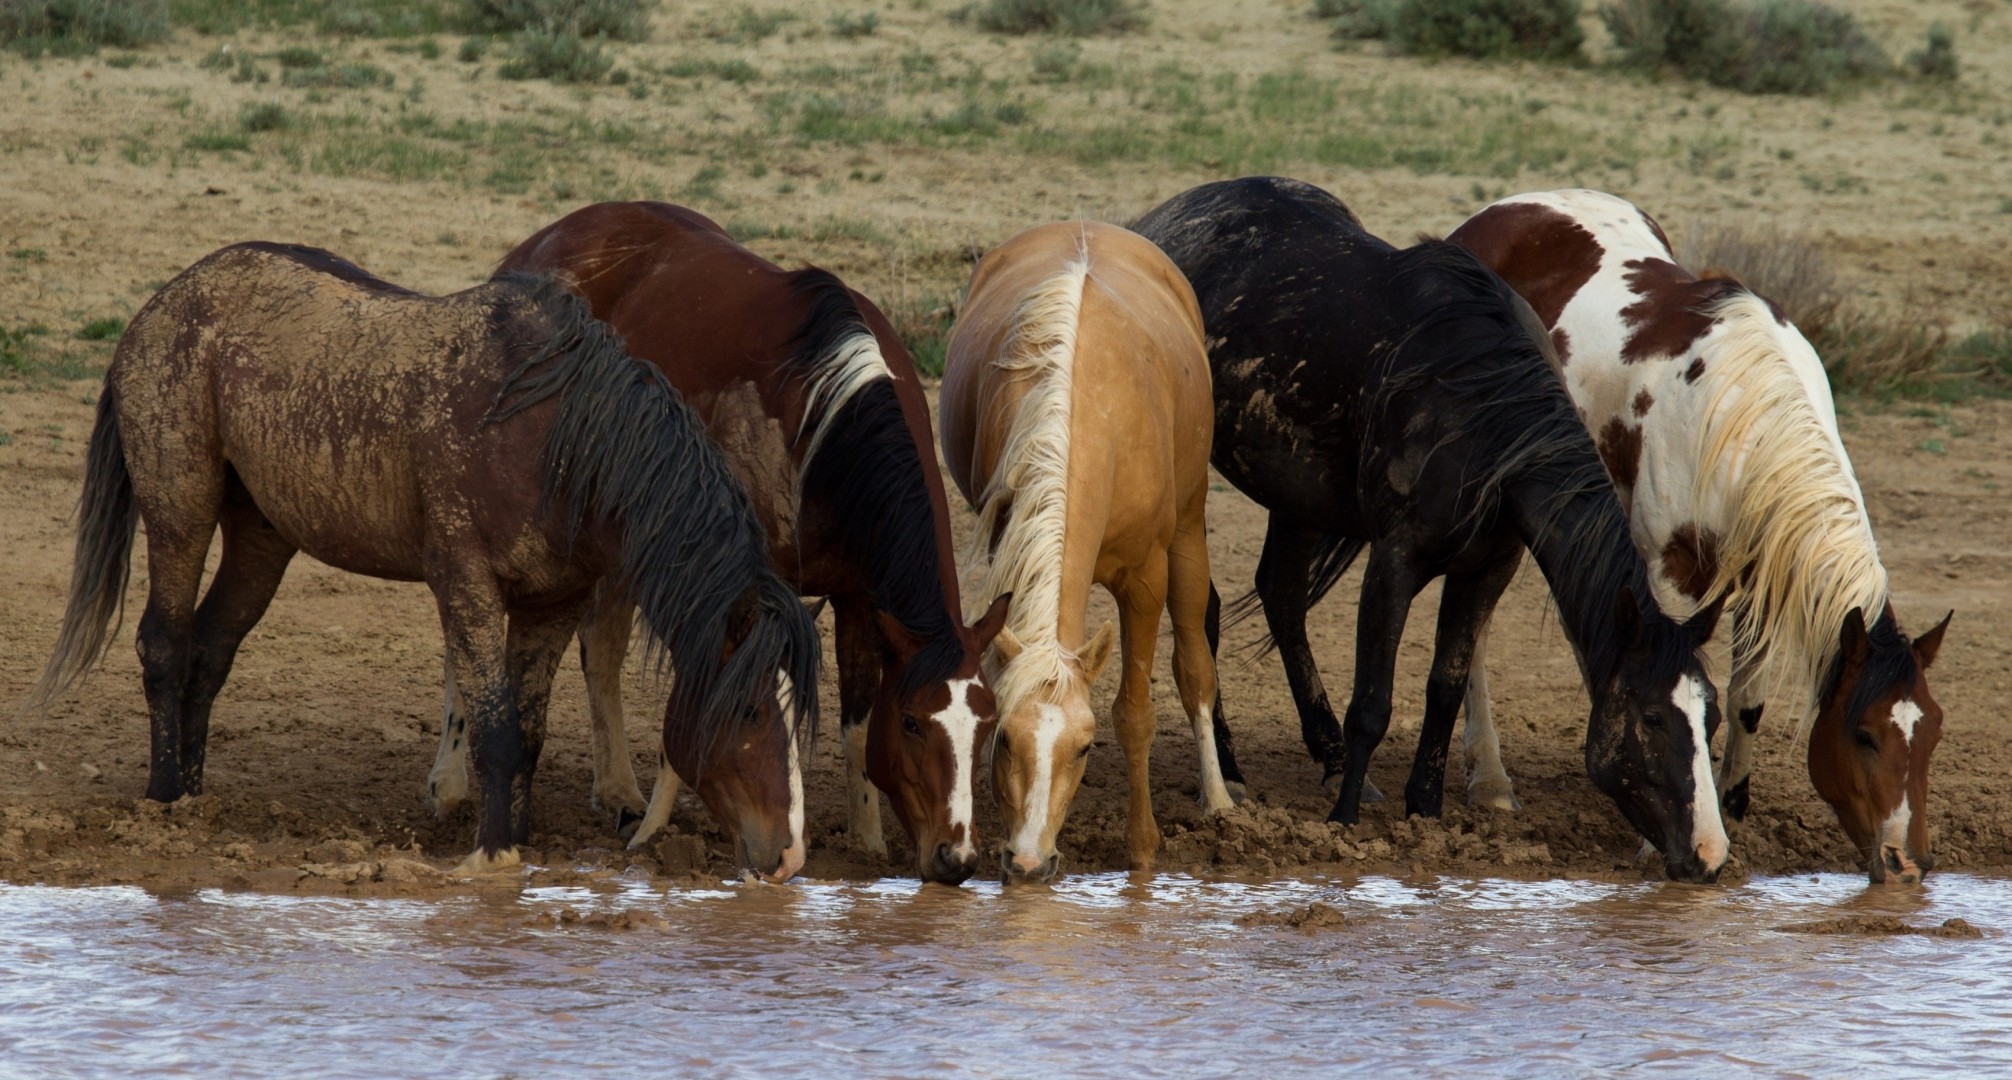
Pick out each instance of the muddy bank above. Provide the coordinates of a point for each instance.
(321, 742)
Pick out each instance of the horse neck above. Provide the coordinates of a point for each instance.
(1572, 523)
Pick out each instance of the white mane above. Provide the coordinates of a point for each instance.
(1799, 554)
(1029, 485)
(846, 368)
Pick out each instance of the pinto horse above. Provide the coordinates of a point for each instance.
(497, 444)
(1714, 418)
(1368, 396)
(1076, 417)
(808, 390)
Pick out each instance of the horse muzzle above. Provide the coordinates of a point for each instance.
(774, 863)
(1693, 867)
(1896, 865)
(1029, 869)
(950, 865)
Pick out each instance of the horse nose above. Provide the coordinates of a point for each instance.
(1691, 868)
(952, 865)
(1899, 866)
(1030, 868)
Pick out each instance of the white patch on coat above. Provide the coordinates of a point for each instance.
(1708, 832)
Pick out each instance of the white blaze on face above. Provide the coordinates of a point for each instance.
(1906, 714)
(1034, 825)
(1708, 832)
(1893, 831)
(960, 722)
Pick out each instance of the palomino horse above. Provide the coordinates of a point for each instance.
(497, 444)
(1715, 420)
(813, 398)
(1368, 396)
(1076, 417)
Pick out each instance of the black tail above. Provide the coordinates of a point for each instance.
(106, 516)
(626, 450)
(1330, 560)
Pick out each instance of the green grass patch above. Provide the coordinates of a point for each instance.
(74, 27)
(616, 20)
(352, 76)
(558, 55)
(1056, 16)
(107, 329)
(354, 18)
(215, 139)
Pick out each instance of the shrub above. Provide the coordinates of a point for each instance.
(617, 20)
(337, 77)
(559, 55)
(264, 116)
(923, 323)
(865, 24)
(1358, 20)
(70, 27)
(1535, 29)
(1938, 60)
(1763, 47)
(1058, 16)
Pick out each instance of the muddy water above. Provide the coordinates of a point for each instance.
(1100, 976)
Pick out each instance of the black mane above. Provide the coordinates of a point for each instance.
(625, 449)
(870, 477)
(1889, 662)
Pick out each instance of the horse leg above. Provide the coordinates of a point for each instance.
(1189, 593)
(447, 783)
(663, 796)
(1389, 583)
(1743, 694)
(1226, 758)
(1487, 781)
(254, 560)
(1141, 597)
(535, 645)
(1465, 604)
(473, 623)
(604, 644)
(1284, 574)
(859, 651)
(175, 559)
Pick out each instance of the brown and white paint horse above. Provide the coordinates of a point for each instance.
(1715, 420)
(1077, 415)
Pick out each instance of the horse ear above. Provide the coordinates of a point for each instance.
(1701, 625)
(1007, 644)
(992, 622)
(900, 638)
(816, 607)
(1928, 644)
(1098, 652)
(1851, 640)
(1627, 618)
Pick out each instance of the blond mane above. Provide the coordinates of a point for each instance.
(1029, 486)
(1799, 554)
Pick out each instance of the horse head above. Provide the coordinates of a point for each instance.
(1044, 741)
(923, 739)
(1875, 731)
(1648, 746)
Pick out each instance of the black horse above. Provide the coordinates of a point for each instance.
(1396, 400)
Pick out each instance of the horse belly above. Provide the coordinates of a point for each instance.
(355, 512)
(1278, 462)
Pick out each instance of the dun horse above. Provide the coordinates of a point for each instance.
(809, 391)
(1076, 417)
(1392, 399)
(497, 444)
(1715, 420)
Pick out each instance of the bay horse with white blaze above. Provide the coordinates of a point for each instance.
(1076, 417)
(497, 444)
(1395, 400)
(810, 393)
(1714, 417)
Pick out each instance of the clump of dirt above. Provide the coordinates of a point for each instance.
(1314, 916)
(621, 921)
(1882, 926)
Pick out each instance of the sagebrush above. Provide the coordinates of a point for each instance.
(70, 27)
(1757, 47)
(1057, 16)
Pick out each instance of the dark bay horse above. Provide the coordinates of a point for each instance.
(497, 444)
(1396, 400)
(809, 391)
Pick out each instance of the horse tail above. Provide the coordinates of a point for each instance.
(625, 449)
(1331, 559)
(106, 517)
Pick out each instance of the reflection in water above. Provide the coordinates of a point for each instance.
(1102, 975)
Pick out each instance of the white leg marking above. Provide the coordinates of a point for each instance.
(1028, 841)
(960, 722)
(792, 856)
(447, 784)
(1215, 796)
(863, 797)
(662, 797)
(1708, 831)
(1487, 781)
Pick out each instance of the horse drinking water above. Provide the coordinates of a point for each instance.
(1076, 417)
(1714, 417)
(1368, 396)
(808, 390)
(497, 444)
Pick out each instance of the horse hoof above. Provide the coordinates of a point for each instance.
(1494, 798)
(477, 863)
(627, 821)
(1239, 792)
(1370, 792)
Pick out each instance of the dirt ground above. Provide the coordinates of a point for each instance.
(322, 740)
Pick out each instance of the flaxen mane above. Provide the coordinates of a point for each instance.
(1798, 553)
(626, 450)
(1025, 502)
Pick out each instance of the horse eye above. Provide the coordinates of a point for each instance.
(1652, 719)
(1085, 751)
(1864, 738)
(911, 725)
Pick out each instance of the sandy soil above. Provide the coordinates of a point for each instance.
(322, 740)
